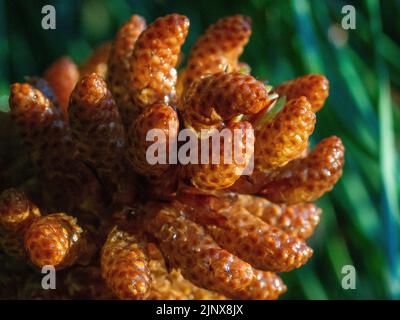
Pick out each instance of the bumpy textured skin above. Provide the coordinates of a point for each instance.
(153, 75)
(264, 286)
(185, 244)
(263, 246)
(223, 96)
(314, 87)
(62, 76)
(69, 183)
(222, 175)
(17, 213)
(219, 49)
(158, 116)
(307, 179)
(286, 136)
(193, 231)
(99, 134)
(298, 220)
(170, 284)
(119, 67)
(97, 61)
(56, 240)
(124, 266)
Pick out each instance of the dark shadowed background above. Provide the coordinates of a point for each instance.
(360, 221)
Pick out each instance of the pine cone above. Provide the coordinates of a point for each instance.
(153, 75)
(219, 49)
(186, 230)
(99, 135)
(119, 67)
(56, 240)
(314, 87)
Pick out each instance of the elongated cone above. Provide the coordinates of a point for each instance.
(57, 240)
(170, 284)
(153, 75)
(119, 67)
(219, 49)
(286, 136)
(298, 220)
(62, 76)
(186, 245)
(68, 183)
(263, 246)
(159, 123)
(124, 266)
(223, 96)
(227, 160)
(307, 179)
(314, 87)
(17, 213)
(99, 134)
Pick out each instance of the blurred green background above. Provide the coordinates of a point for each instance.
(360, 222)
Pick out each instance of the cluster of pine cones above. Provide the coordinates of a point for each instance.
(85, 200)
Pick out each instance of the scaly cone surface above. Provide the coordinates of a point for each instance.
(122, 227)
